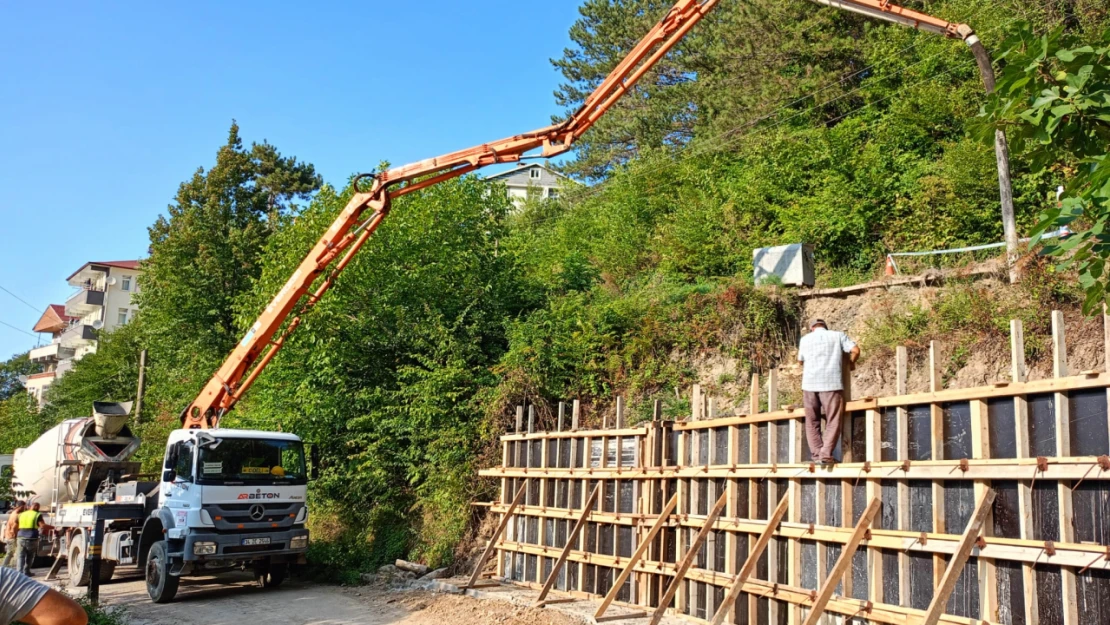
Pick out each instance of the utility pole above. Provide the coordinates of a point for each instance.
(139, 394)
(1001, 155)
(887, 11)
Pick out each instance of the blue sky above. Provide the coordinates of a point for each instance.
(106, 108)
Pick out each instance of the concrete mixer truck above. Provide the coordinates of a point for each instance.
(225, 500)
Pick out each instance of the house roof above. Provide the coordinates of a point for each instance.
(119, 264)
(53, 319)
(522, 167)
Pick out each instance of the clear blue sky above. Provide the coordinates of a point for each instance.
(106, 108)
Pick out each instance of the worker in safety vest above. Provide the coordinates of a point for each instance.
(30, 524)
(7, 535)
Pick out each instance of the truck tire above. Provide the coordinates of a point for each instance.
(268, 575)
(160, 585)
(107, 570)
(80, 573)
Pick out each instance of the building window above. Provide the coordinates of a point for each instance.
(534, 173)
(126, 283)
(122, 316)
(552, 193)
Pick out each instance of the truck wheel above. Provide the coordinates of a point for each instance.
(160, 585)
(107, 570)
(268, 575)
(80, 573)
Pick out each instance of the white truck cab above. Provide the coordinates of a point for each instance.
(227, 499)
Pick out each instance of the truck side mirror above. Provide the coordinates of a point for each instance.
(169, 475)
(314, 457)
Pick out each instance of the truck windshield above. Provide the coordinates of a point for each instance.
(252, 460)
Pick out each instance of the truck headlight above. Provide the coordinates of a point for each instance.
(204, 549)
(298, 542)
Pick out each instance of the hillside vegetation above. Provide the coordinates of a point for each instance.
(775, 122)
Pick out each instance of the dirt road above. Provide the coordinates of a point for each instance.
(208, 602)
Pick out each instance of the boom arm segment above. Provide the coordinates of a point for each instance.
(366, 210)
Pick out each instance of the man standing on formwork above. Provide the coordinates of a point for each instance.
(821, 353)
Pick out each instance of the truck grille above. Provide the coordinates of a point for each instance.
(254, 516)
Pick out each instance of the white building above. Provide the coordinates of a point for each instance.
(101, 303)
(532, 181)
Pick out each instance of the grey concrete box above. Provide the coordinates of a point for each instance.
(793, 264)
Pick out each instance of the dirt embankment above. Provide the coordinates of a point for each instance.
(967, 358)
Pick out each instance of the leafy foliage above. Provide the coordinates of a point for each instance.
(10, 372)
(1053, 101)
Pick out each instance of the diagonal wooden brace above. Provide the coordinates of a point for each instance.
(956, 564)
(688, 559)
(842, 563)
(656, 527)
(497, 535)
(569, 545)
(749, 564)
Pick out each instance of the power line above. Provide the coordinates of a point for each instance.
(25, 302)
(18, 329)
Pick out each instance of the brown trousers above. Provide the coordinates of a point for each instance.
(821, 444)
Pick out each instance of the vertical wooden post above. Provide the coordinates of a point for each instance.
(902, 372)
(656, 410)
(519, 419)
(1021, 439)
(1063, 450)
(531, 418)
(696, 402)
(574, 415)
(773, 390)
(753, 396)
(620, 414)
(874, 492)
(562, 415)
(936, 435)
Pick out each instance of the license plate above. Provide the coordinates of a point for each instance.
(256, 541)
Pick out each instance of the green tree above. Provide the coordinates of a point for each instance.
(205, 253)
(11, 370)
(1053, 101)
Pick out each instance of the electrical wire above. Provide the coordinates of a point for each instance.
(25, 302)
(17, 329)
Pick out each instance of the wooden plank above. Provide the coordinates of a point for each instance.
(621, 617)
(749, 564)
(575, 415)
(1063, 449)
(569, 544)
(688, 560)
(753, 395)
(620, 413)
(497, 535)
(772, 390)
(842, 563)
(642, 548)
(956, 564)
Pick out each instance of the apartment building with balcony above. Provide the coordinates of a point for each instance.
(101, 302)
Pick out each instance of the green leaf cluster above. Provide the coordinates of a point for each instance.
(1053, 102)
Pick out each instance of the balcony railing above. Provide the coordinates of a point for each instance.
(51, 353)
(78, 334)
(84, 301)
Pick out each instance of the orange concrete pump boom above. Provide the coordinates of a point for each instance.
(367, 208)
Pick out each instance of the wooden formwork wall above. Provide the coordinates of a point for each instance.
(1041, 557)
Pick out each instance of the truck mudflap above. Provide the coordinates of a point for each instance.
(215, 547)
